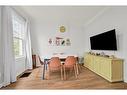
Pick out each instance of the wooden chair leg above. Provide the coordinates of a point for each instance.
(80, 68)
(75, 70)
(64, 74)
(48, 73)
(61, 73)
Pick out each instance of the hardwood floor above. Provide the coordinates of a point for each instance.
(86, 80)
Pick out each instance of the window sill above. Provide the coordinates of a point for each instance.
(19, 57)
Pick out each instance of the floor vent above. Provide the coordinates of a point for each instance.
(25, 74)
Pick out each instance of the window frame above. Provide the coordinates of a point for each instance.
(21, 21)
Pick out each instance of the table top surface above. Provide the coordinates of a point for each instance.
(58, 55)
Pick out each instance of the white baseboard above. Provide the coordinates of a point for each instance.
(125, 81)
(1, 85)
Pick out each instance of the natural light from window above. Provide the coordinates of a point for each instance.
(18, 36)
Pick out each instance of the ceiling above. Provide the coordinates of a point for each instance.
(68, 13)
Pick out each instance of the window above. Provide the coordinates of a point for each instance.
(18, 36)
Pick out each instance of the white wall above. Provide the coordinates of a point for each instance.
(43, 30)
(112, 18)
(47, 20)
(20, 65)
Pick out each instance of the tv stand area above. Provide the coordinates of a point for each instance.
(110, 69)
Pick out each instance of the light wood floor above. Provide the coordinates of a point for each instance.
(86, 80)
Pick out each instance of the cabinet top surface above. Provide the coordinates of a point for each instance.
(104, 57)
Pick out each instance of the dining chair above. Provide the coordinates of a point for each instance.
(70, 64)
(55, 65)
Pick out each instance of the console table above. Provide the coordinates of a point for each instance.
(110, 69)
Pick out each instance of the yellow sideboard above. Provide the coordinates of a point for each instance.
(109, 68)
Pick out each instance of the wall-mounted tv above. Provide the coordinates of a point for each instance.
(104, 41)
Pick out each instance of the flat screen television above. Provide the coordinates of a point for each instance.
(104, 41)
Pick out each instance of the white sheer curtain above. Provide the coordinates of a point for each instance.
(6, 49)
(28, 47)
(1, 63)
(7, 46)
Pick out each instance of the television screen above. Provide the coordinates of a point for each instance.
(104, 41)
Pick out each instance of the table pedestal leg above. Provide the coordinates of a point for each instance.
(43, 75)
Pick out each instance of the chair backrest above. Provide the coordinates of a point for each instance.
(70, 61)
(54, 62)
(41, 62)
